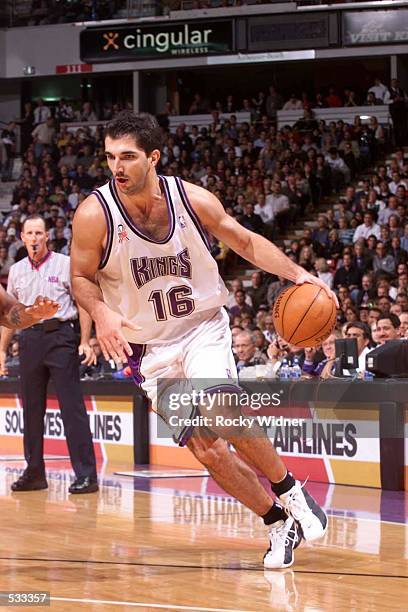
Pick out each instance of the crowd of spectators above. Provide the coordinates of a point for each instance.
(269, 180)
(44, 12)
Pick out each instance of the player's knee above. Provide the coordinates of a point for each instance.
(209, 452)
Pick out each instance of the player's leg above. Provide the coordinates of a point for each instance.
(158, 370)
(240, 481)
(208, 357)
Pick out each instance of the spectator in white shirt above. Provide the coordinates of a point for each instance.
(280, 207)
(262, 209)
(380, 91)
(293, 103)
(339, 169)
(41, 112)
(366, 229)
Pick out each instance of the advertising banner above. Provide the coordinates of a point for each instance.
(146, 41)
(110, 419)
(375, 27)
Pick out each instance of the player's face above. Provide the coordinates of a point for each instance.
(129, 164)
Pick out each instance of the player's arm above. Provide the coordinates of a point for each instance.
(88, 238)
(15, 315)
(252, 247)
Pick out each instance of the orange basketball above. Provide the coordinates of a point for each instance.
(304, 315)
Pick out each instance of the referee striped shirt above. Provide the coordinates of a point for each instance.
(49, 278)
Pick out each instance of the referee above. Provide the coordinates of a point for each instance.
(50, 350)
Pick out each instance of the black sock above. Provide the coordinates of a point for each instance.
(276, 513)
(284, 485)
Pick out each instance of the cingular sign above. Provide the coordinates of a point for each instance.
(164, 41)
(132, 42)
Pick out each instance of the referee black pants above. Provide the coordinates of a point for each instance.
(45, 355)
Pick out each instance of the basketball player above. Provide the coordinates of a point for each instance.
(142, 269)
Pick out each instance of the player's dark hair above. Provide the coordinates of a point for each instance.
(143, 128)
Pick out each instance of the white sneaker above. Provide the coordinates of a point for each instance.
(284, 537)
(301, 506)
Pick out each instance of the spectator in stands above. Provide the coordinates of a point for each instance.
(246, 351)
(367, 228)
(6, 261)
(258, 290)
(350, 98)
(293, 103)
(279, 204)
(87, 113)
(275, 288)
(241, 306)
(270, 105)
(323, 272)
(321, 233)
(306, 124)
(388, 328)
(367, 293)
(64, 111)
(252, 221)
(8, 141)
(41, 113)
(383, 261)
(362, 333)
(380, 91)
(397, 101)
(404, 324)
(43, 136)
(340, 173)
(333, 100)
(347, 275)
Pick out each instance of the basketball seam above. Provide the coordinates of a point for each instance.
(284, 307)
(315, 334)
(300, 322)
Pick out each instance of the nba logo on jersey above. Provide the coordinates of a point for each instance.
(122, 233)
(182, 221)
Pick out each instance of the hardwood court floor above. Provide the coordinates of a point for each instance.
(180, 544)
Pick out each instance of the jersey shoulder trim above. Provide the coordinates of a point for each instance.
(109, 226)
(187, 205)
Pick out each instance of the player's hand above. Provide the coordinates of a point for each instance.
(87, 350)
(43, 308)
(3, 367)
(113, 343)
(306, 277)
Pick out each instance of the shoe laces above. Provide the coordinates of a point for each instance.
(296, 503)
(281, 534)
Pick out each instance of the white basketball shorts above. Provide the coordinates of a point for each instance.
(202, 359)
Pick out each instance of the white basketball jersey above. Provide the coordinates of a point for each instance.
(166, 287)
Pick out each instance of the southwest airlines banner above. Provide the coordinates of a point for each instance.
(110, 419)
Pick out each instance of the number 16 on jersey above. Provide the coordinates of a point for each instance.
(175, 302)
